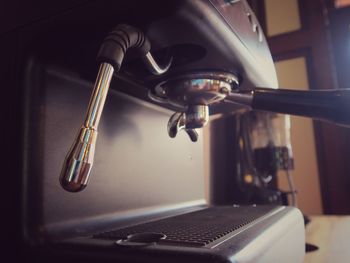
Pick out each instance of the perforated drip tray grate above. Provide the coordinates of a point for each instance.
(197, 228)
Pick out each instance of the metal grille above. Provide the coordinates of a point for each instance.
(196, 228)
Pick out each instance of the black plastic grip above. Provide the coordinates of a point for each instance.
(118, 41)
(328, 105)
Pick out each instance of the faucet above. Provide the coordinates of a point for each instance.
(77, 165)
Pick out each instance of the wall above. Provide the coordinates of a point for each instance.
(292, 74)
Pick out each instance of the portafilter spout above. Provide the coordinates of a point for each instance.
(327, 105)
(193, 93)
(78, 163)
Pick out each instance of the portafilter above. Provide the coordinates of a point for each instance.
(194, 93)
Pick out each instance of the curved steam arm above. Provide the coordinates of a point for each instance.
(327, 105)
(78, 163)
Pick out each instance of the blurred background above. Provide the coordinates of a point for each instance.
(310, 45)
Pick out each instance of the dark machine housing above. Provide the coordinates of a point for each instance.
(146, 186)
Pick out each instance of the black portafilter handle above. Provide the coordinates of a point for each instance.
(327, 105)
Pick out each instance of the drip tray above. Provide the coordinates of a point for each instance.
(195, 229)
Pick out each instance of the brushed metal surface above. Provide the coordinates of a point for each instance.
(136, 163)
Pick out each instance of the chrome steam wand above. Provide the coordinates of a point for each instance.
(77, 165)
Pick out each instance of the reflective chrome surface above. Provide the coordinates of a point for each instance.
(99, 95)
(202, 88)
(79, 160)
(193, 93)
(154, 67)
(78, 163)
(176, 123)
(196, 116)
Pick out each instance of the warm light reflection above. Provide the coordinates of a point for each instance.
(341, 3)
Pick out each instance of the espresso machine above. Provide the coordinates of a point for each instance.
(110, 162)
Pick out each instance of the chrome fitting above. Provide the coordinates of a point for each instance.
(79, 160)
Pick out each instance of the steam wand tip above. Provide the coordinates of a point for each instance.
(79, 160)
